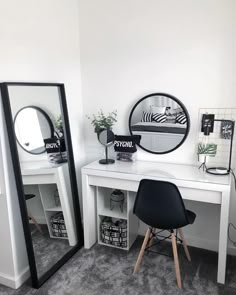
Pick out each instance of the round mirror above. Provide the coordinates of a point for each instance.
(32, 125)
(161, 120)
(106, 137)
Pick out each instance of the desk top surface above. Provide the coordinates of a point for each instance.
(39, 167)
(160, 170)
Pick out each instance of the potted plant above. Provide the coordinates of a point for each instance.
(206, 150)
(59, 127)
(100, 121)
(56, 147)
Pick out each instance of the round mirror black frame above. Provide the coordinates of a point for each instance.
(46, 117)
(178, 102)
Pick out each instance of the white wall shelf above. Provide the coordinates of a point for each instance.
(57, 208)
(103, 202)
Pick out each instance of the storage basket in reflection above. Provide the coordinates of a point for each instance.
(58, 225)
(114, 233)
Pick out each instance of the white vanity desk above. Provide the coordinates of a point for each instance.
(47, 178)
(193, 184)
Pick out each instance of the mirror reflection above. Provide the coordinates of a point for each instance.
(161, 120)
(32, 125)
(45, 173)
(106, 137)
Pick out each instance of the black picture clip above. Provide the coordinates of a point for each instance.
(207, 123)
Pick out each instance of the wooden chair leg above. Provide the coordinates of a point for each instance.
(35, 222)
(176, 259)
(184, 244)
(140, 256)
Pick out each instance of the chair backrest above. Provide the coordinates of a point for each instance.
(159, 204)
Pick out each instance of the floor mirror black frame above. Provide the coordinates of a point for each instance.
(35, 280)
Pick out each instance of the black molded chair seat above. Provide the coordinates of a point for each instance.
(191, 216)
(159, 204)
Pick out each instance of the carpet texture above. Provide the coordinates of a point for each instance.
(47, 250)
(108, 271)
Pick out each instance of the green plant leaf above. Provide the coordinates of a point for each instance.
(102, 121)
(207, 149)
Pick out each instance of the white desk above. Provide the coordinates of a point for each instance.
(45, 176)
(193, 184)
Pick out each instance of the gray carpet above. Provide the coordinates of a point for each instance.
(108, 271)
(47, 251)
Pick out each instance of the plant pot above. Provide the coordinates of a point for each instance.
(202, 158)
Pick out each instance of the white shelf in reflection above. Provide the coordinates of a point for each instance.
(56, 208)
(38, 167)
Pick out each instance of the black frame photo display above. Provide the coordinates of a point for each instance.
(35, 279)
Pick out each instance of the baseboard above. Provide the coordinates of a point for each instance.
(22, 277)
(211, 245)
(16, 282)
(7, 281)
(198, 242)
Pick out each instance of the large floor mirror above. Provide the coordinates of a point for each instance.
(40, 141)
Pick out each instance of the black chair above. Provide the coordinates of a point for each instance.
(159, 204)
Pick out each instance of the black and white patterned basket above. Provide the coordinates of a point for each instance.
(114, 233)
(58, 225)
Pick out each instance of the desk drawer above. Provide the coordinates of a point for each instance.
(200, 195)
(194, 194)
(39, 179)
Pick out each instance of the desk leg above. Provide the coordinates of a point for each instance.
(89, 213)
(223, 238)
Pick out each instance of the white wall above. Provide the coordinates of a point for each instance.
(135, 47)
(13, 258)
(40, 42)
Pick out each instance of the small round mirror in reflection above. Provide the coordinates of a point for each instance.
(106, 137)
(32, 125)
